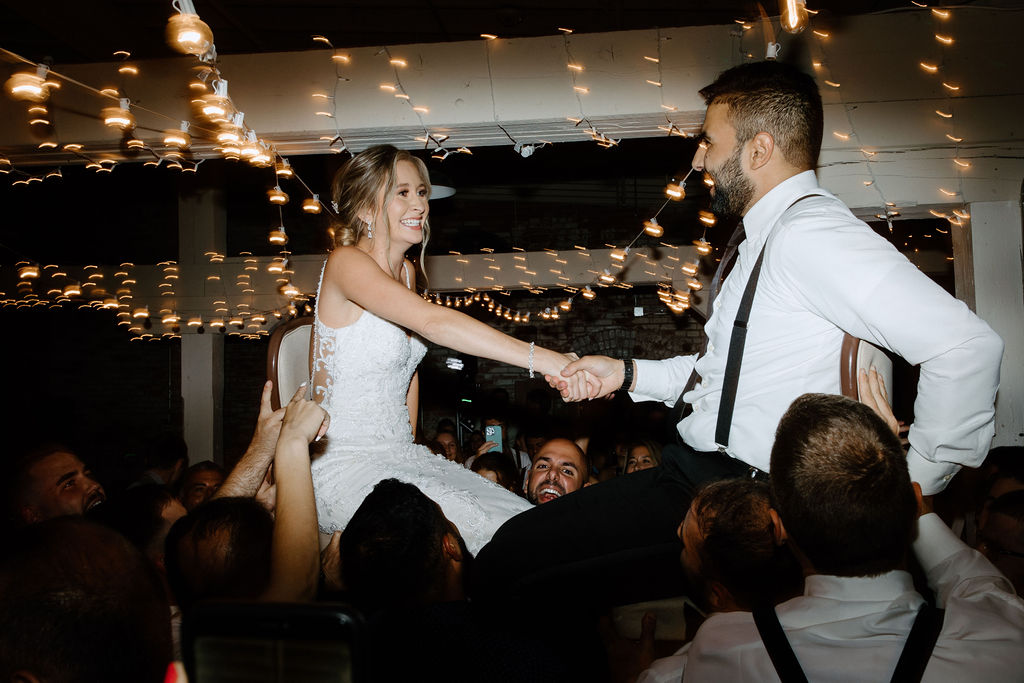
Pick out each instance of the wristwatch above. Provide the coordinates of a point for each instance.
(628, 368)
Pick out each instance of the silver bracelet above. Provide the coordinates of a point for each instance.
(531, 360)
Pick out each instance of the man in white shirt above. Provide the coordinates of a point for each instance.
(824, 273)
(859, 603)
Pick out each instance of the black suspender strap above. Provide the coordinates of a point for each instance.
(735, 358)
(778, 647)
(739, 338)
(910, 668)
(920, 643)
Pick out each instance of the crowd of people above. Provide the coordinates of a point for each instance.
(783, 531)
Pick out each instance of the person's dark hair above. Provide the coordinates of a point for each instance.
(775, 98)
(391, 554)
(220, 550)
(14, 482)
(499, 463)
(1010, 504)
(166, 451)
(205, 466)
(841, 486)
(81, 605)
(446, 424)
(1008, 463)
(739, 549)
(137, 515)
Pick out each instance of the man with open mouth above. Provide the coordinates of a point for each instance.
(559, 468)
(49, 482)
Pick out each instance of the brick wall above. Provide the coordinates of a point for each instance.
(607, 326)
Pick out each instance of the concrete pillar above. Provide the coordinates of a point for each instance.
(202, 220)
(202, 389)
(998, 246)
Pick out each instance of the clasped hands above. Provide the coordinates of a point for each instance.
(587, 378)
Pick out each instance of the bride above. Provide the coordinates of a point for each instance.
(366, 348)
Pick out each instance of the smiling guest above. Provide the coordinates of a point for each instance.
(560, 467)
(49, 481)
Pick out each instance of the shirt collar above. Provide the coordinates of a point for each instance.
(884, 587)
(763, 214)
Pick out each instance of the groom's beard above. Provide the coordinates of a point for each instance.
(733, 190)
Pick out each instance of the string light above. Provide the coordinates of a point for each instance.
(278, 236)
(119, 117)
(652, 228)
(28, 86)
(189, 34)
(277, 196)
(179, 138)
(312, 204)
(283, 169)
(793, 15)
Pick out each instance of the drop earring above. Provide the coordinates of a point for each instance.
(369, 229)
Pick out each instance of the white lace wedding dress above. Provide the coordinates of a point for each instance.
(361, 376)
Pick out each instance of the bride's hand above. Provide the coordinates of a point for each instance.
(575, 388)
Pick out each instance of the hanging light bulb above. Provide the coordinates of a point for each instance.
(675, 191)
(793, 15)
(278, 236)
(703, 247)
(262, 158)
(277, 196)
(229, 134)
(179, 138)
(619, 254)
(28, 271)
(606, 277)
(188, 34)
(566, 305)
(216, 107)
(250, 147)
(29, 87)
(694, 284)
(689, 268)
(5, 164)
(72, 289)
(283, 169)
(588, 293)
(652, 228)
(311, 205)
(119, 117)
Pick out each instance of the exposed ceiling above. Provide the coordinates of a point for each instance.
(75, 32)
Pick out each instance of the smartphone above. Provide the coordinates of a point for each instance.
(493, 433)
(273, 643)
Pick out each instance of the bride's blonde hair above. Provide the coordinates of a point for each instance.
(357, 185)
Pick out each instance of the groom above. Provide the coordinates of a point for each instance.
(822, 273)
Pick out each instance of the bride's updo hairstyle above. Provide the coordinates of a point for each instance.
(358, 184)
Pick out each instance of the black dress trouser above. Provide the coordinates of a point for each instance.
(611, 543)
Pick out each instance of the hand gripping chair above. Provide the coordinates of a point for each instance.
(288, 358)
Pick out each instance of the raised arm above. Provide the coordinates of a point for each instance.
(295, 550)
(246, 476)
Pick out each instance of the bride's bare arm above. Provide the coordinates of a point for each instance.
(357, 277)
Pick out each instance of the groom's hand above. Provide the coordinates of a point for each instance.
(604, 375)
